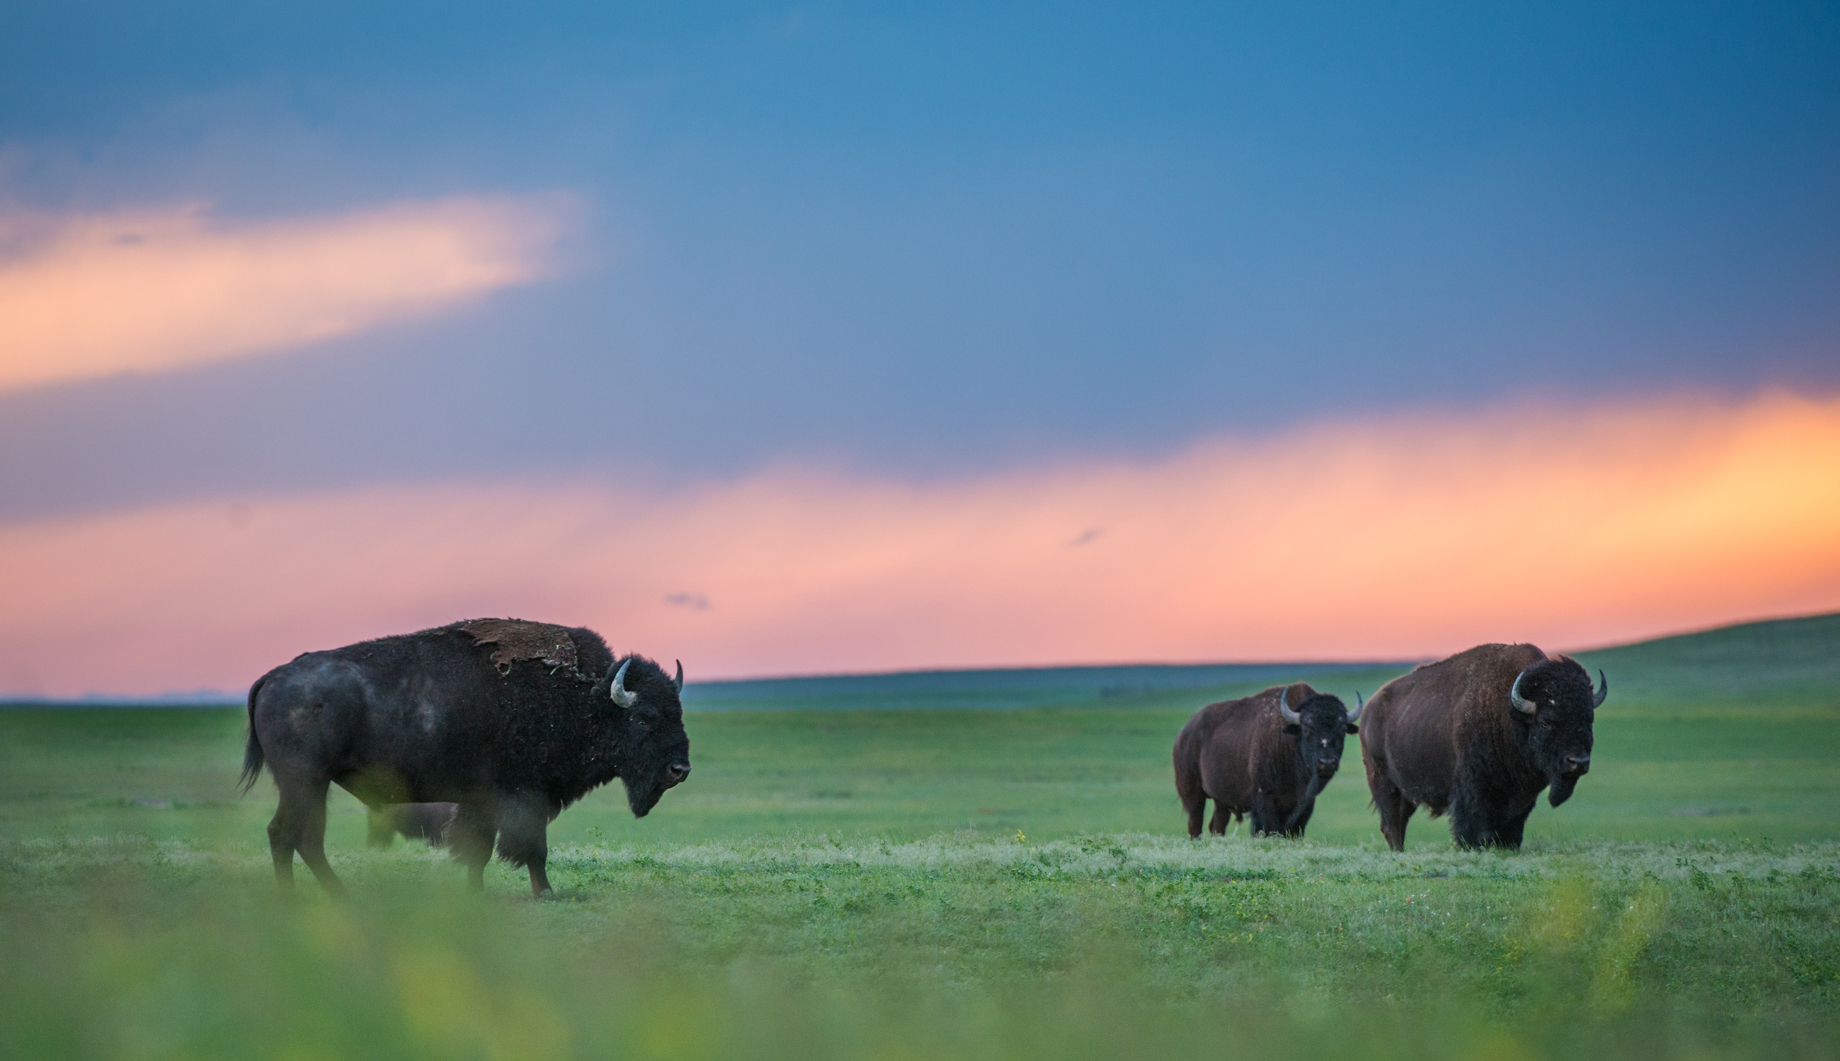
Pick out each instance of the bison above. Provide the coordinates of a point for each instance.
(510, 720)
(1261, 756)
(1479, 735)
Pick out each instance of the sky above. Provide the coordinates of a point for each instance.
(790, 339)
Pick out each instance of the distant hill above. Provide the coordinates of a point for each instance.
(1774, 664)
(996, 689)
(1770, 665)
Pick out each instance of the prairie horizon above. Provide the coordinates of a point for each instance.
(987, 686)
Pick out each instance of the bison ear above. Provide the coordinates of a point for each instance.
(1352, 728)
(1293, 728)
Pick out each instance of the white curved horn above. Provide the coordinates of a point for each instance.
(1514, 695)
(1603, 690)
(1284, 708)
(679, 680)
(618, 689)
(1359, 705)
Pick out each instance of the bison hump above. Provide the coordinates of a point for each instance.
(518, 639)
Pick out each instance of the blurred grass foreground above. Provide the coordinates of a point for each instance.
(988, 881)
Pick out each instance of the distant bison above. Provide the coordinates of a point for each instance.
(415, 821)
(1479, 734)
(1261, 756)
(508, 719)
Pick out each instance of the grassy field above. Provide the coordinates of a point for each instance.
(1000, 874)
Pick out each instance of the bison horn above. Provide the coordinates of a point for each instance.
(1603, 690)
(1355, 715)
(679, 680)
(618, 689)
(1284, 708)
(1514, 694)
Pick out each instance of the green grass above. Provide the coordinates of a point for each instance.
(996, 880)
(1100, 946)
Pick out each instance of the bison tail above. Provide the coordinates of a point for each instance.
(252, 753)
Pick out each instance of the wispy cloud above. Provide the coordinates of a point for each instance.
(1395, 538)
(83, 296)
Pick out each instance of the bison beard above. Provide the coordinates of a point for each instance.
(1479, 735)
(512, 721)
(1560, 789)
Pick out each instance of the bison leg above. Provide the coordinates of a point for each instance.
(470, 839)
(1299, 818)
(1267, 820)
(1468, 832)
(523, 826)
(1394, 827)
(1509, 835)
(299, 825)
(313, 848)
(281, 848)
(1222, 815)
(1473, 823)
(1395, 809)
(1190, 792)
(1195, 803)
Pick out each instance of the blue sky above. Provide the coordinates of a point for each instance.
(943, 240)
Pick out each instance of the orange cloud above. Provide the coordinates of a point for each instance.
(1396, 538)
(89, 296)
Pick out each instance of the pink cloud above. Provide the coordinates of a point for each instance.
(1396, 538)
(90, 295)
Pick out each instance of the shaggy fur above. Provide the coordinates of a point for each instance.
(429, 717)
(1243, 756)
(1447, 737)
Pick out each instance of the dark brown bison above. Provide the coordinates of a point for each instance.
(511, 720)
(1479, 735)
(414, 821)
(1261, 756)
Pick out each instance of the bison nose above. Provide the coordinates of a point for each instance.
(678, 772)
(1578, 763)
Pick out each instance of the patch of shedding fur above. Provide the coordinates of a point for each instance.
(522, 639)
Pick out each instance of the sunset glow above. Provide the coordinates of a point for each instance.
(88, 296)
(1398, 538)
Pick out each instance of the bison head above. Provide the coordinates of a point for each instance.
(654, 751)
(1319, 723)
(1554, 706)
